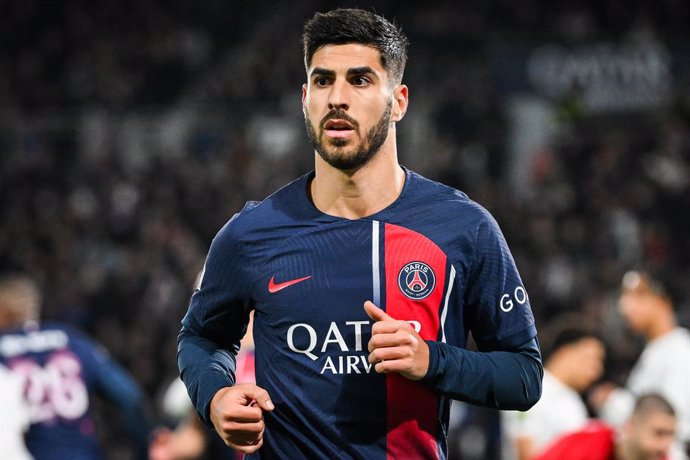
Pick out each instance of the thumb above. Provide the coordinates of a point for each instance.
(260, 397)
(376, 313)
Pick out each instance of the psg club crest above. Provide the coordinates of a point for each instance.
(416, 280)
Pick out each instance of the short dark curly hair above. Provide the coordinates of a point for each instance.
(351, 25)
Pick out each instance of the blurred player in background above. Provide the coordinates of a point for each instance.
(60, 370)
(14, 417)
(574, 360)
(663, 366)
(648, 434)
(365, 279)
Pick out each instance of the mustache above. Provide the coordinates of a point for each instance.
(338, 115)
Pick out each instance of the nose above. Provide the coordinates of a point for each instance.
(339, 96)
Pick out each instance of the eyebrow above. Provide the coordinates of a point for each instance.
(360, 71)
(320, 71)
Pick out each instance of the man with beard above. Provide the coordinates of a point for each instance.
(365, 280)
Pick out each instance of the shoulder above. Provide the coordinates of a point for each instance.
(681, 337)
(283, 207)
(446, 199)
(77, 340)
(59, 329)
(442, 212)
(666, 346)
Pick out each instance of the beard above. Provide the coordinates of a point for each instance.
(336, 153)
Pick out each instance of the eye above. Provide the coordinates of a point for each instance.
(360, 81)
(321, 81)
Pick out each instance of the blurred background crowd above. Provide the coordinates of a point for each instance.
(131, 131)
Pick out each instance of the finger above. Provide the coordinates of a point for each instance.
(403, 335)
(389, 354)
(247, 447)
(243, 431)
(397, 365)
(265, 402)
(258, 394)
(240, 434)
(390, 327)
(399, 338)
(243, 414)
(375, 312)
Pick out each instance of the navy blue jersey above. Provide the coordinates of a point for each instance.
(61, 370)
(433, 258)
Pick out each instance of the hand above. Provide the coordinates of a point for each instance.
(160, 446)
(237, 415)
(187, 441)
(395, 346)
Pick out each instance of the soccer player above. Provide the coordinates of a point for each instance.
(574, 360)
(365, 280)
(60, 370)
(664, 365)
(647, 435)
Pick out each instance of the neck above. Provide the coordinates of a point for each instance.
(354, 194)
(662, 326)
(559, 372)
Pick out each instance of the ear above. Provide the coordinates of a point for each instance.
(304, 96)
(400, 102)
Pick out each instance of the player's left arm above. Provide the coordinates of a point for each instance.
(505, 379)
(508, 379)
(507, 371)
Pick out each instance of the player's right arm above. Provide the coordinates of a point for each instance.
(237, 415)
(209, 342)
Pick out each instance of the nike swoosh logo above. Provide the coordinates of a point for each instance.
(274, 287)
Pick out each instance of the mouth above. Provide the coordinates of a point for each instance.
(338, 128)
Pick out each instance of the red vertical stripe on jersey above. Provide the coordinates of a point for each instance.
(412, 409)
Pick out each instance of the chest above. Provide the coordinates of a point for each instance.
(322, 278)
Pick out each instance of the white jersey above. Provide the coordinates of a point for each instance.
(14, 418)
(560, 410)
(664, 368)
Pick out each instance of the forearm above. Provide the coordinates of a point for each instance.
(205, 368)
(507, 380)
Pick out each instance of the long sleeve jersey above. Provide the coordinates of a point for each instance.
(433, 258)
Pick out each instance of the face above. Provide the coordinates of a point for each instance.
(19, 302)
(636, 307)
(588, 362)
(349, 104)
(652, 438)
